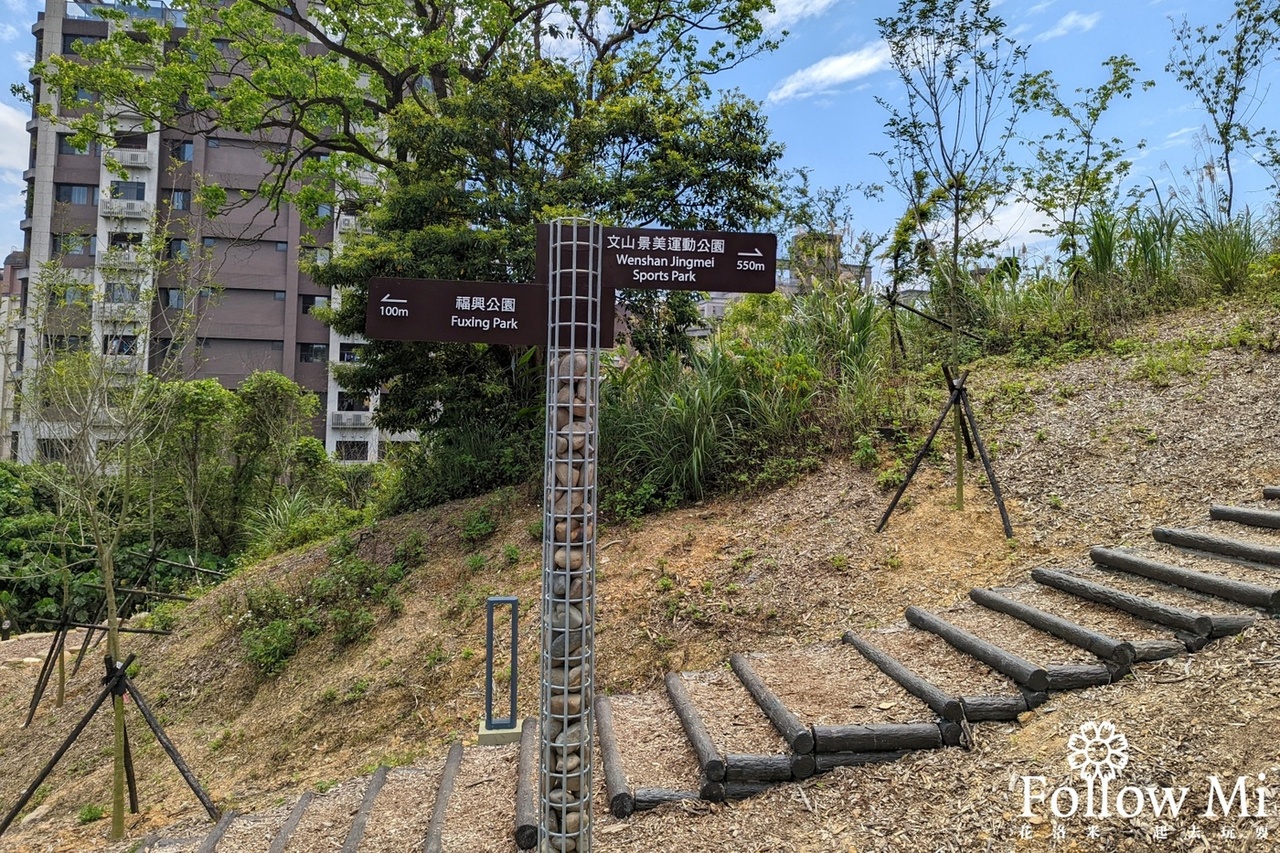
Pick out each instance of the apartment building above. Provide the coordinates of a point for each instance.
(94, 213)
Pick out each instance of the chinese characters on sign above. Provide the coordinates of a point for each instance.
(649, 259)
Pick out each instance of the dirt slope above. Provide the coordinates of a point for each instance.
(1095, 451)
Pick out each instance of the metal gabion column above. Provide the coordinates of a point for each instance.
(569, 536)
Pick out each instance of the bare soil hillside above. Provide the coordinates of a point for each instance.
(1095, 451)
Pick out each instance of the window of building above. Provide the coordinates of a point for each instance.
(85, 96)
(172, 297)
(66, 146)
(119, 344)
(64, 343)
(222, 44)
(86, 194)
(131, 141)
(179, 199)
(313, 353)
(122, 292)
(13, 439)
(277, 346)
(349, 353)
(182, 150)
(73, 244)
(125, 239)
(324, 211)
(53, 449)
(310, 303)
(208, 242)
(129, 190)
(71, 43)
(278, 295)
(213, 142)
(314, 254)
(178, 250)
(282, 246)
(352, 451)
(349, 402)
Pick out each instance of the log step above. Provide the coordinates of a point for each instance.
(878, 737)
(1271, 493)
(709, 759)
(1266, 598)
(211, 840)
(432, 843)
(526, 833)
(946, 707)
(1076, 676)
(1194, 625)
(1268, 518)
(356, 832)
(1224, 622)
(1019, 669)
(797, 735)
(831, 760)
(651, 798)
(1118, 652)
(621, 799)
(291, 823)
(1266, 554)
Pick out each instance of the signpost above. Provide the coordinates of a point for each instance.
(570, 311)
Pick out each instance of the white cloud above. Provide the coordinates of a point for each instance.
(1072, 22)
(827, 74)
(8, 32)
(1040, 7)
(15, 142)
(787, 12)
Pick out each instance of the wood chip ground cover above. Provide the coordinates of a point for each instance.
(831, 684)
(1016, 636)
(932, 658)
(402, 811)
(655, 751)
(733, 719)
(481, 814)
(327, 820)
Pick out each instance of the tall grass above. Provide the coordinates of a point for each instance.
(1221, 251)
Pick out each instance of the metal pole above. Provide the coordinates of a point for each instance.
(494, 602)
(568, 536)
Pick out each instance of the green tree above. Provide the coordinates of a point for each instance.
(1076, 167)
(959, 71)
(1222, 67)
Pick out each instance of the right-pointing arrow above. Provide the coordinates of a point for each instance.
(754, 254)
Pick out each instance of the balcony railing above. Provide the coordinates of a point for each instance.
(132, 158)
(126, 208)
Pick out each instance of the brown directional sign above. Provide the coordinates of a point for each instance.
(488, 312)
(469, 312)
(658, 259)
(653, 259)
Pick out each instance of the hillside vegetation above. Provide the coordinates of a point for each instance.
(318, 664)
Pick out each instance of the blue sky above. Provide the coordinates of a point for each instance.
(819, 91)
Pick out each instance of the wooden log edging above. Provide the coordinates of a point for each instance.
(1018, 668)
(433, 843)
(651, 798)
(947, 707)
(1227, 624)
(828, 761)
(291, 823)
(1195, 541)
(1119, 652)
(1271, 493)
(1196, 624)
(993, 709)
(1152, 650)
(797, 735)
(211, 840)
(709, 758)
(526, 833)
(356, 832)
(740, 767)
(621, 800)
(1254, 595)
(876, 737)
(1268, 518)
(1076, 676)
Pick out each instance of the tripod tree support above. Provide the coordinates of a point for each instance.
(959, 395)
(116, 683)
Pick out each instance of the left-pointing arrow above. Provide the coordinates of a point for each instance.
(387, 298)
